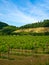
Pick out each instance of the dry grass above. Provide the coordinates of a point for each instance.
(38, 30)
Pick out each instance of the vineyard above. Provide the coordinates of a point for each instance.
(23, 48)
(37, 44)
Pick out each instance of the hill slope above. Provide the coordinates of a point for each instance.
(38, 27)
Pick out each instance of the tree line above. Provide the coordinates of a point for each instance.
(44, 23)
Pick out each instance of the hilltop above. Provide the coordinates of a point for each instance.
(44, 23)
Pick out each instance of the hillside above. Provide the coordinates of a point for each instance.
(6, 29)
(38, 27)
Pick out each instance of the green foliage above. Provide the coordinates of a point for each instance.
(34, 43)
(31, 33)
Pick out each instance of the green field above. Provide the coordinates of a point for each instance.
(37, 44)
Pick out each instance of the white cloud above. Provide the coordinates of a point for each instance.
(15, 15)
(32, 13)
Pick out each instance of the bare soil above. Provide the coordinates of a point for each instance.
(39, 59)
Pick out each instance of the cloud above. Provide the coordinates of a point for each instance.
(19, 13)
(39, 11)
(14, 14)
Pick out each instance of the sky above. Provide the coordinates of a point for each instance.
(21, 12)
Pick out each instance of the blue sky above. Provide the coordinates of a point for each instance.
(21, 12)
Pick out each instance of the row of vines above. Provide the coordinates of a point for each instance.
(38, 44)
